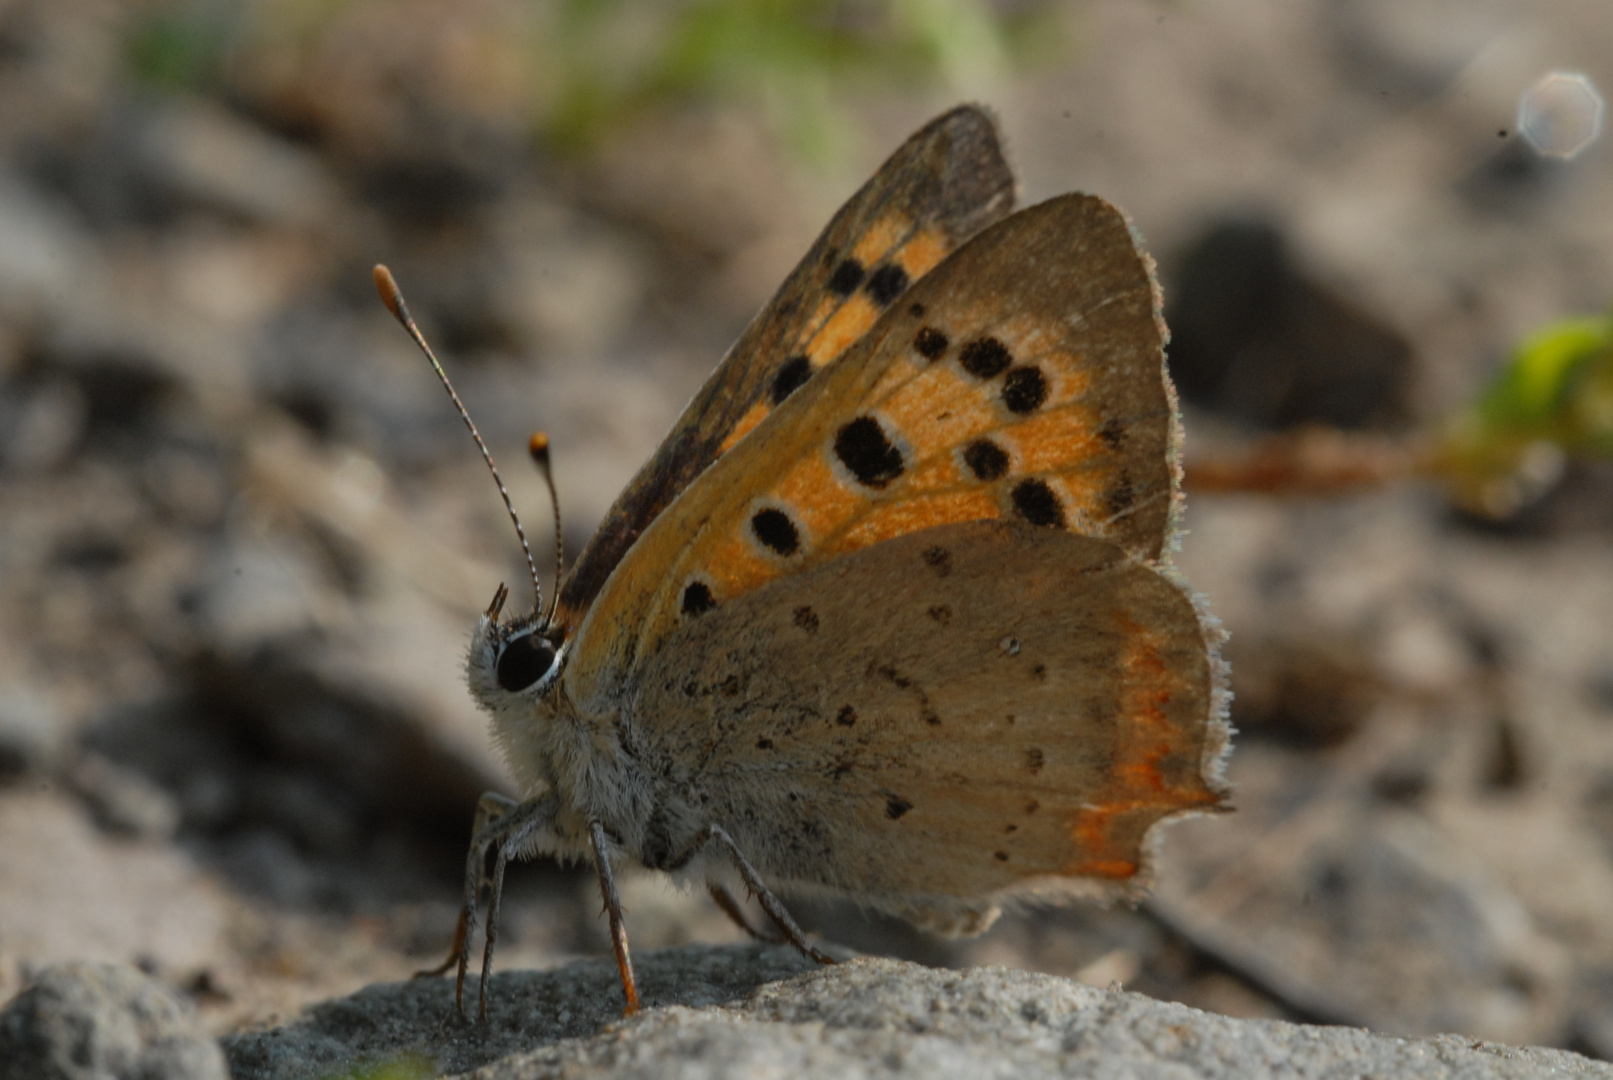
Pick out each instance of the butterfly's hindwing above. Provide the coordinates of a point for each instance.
(959, 712)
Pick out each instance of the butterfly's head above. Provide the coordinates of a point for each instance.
(514, 663)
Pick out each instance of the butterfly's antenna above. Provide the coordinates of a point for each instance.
(393, 299)
(538, 447)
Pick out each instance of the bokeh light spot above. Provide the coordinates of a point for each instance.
(1561, 115)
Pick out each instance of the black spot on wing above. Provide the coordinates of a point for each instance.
(697, 598)
(886, 284)
(1120, 498)
(846, 717)
(916, 310)
(1024, 390)
(930, 343)
(792, 374)
(865, 450)
(1034, 760)
(985, 358)
(938, 559)
(986, 459)
(1035, 502)
(806, 619)
(847, 276)
(775, 531)
(1112, 432)
(896, 806)
(897, 679)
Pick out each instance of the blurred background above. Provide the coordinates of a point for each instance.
(243, 537)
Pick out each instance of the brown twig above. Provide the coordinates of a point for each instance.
(1311, 461)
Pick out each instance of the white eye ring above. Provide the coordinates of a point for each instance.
(525, 661)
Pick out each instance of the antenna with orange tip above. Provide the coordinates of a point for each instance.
(392, 297)
(538, 447)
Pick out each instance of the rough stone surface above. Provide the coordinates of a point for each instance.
(103, 1021)
(754, 1011)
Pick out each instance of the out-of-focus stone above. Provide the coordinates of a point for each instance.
(47, 255)
(125, 801)
(31, 731)
(203, 152)
(568, 283)
(100, 1022)
(259, 590)
(41, 426)
(70, 892)
(1359, 915)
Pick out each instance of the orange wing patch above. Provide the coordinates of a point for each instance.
(1149, 778)
(897, 518)
(942, 186)
(883, 264)
(970, 400)
(984, 418)
(736, 566)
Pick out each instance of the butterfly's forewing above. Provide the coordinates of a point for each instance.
(945, 184)
(1023, 379)
(970, 712)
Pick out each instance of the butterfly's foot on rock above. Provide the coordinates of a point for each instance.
(455, 1017)
(441, 969)
(461, 928)
(730, 907)
(812, 952)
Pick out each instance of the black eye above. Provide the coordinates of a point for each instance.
(524, 661)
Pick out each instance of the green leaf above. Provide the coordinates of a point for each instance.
(1554, 400)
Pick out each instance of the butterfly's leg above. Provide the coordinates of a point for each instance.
(489, 808)
(530, 818)
(498, 821)
(730, 907)
(771, 904)
(613, 907)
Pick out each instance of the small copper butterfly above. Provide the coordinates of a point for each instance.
(890, 615)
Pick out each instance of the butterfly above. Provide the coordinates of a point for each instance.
(890, 615)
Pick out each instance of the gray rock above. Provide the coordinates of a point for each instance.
(194, 149)
(718, 1012)
(124, 801)
(103, 1021)
(32, 731)
(47, 254)
(526, 1010)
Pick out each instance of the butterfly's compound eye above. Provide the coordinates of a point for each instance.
(524, 661)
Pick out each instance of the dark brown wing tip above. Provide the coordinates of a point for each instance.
(978, 182)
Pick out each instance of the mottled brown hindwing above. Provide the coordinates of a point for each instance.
(965, 712)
